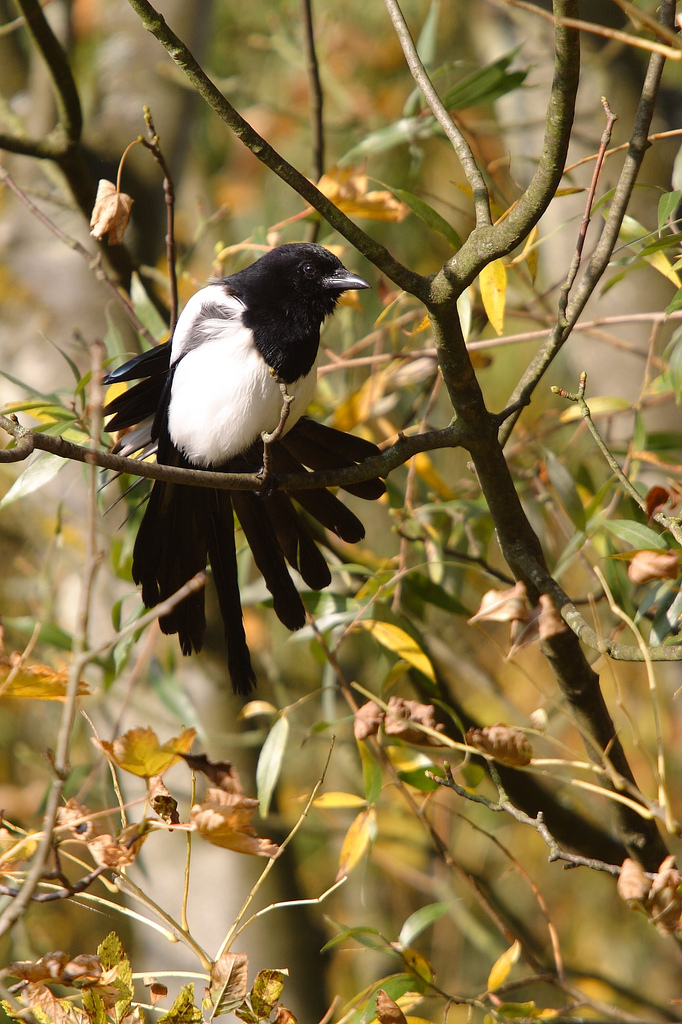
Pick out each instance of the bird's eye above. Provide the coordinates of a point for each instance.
(309, 270)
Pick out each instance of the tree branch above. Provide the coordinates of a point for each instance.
(442, 115)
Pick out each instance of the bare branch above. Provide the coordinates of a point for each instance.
(442, 115)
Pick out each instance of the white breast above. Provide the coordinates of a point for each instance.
(223, 396)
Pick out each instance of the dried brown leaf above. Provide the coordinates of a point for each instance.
(633, 885)
(161, 801)
(77, 819)
(503, 605)
(388, 1011)
(504, 742)
(221, 773)
(111, 212)
(646, 566)
(367, 719)
(224, 819)
(401, 717)
(550, 622)
(229, 982)
(664, 902)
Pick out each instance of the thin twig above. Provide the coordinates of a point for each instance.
(60, 762)
(315, 86)
(505, 805)
(442, 115)
(92, 261)
(152, 144)
(668, 522)
(587, 216)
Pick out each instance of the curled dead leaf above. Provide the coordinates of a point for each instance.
(161, 801)
(283, 1016)
(388, 1011)
(550, 622)
(76, 818)
(157, 990)
(118, 851)
(646, 566)
(504, 605)
(664, 902)
(222, 774)
(403, 715)
(224, 819)
(633, 885)
(111, 213)
(503, 742)
(367, 720)
(59, 1011)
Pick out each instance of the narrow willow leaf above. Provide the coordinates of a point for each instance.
(428, 215)
(636, 534)
(372, 774)
(38, 473)
(419, 921)
(493, 284)
(270, 762)
(357, 841)
(396, 640)
(502, 966)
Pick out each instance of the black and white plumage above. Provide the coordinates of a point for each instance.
(204, 401)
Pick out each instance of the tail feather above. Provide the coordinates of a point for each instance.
(170, 548)
(321, 447)
(320, 503)
(298, 547)
(268, 557)
(223, 558)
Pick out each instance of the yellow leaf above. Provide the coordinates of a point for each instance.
(396, 640)
(357, 840)
(418, 964)
(255, 708)
(431, 477)
(600, 405)
(529, 253)
(334, 800)
(35, 682)
(139, 752)
(347, 189)
(493, 284)
(502, 966)
(660, 262)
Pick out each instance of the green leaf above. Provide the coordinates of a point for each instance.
(419, 921)
(183, 1010)
(38, 472)
(667, 205)
(432, 593)
(635, 534)
(266, 990)
(675, 303)
(486, 84)
(428, 215)
(372, 774)
(369, 937)
(146, 310)
(417, 778)
(563, 484)
(270, 762)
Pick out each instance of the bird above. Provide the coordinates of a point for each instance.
(205, 400)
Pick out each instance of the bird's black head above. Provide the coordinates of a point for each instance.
(287, 293)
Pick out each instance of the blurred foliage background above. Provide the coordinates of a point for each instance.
(430, 552)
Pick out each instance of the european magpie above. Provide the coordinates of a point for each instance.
(203, 401)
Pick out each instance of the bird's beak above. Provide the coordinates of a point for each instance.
(343, 281)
